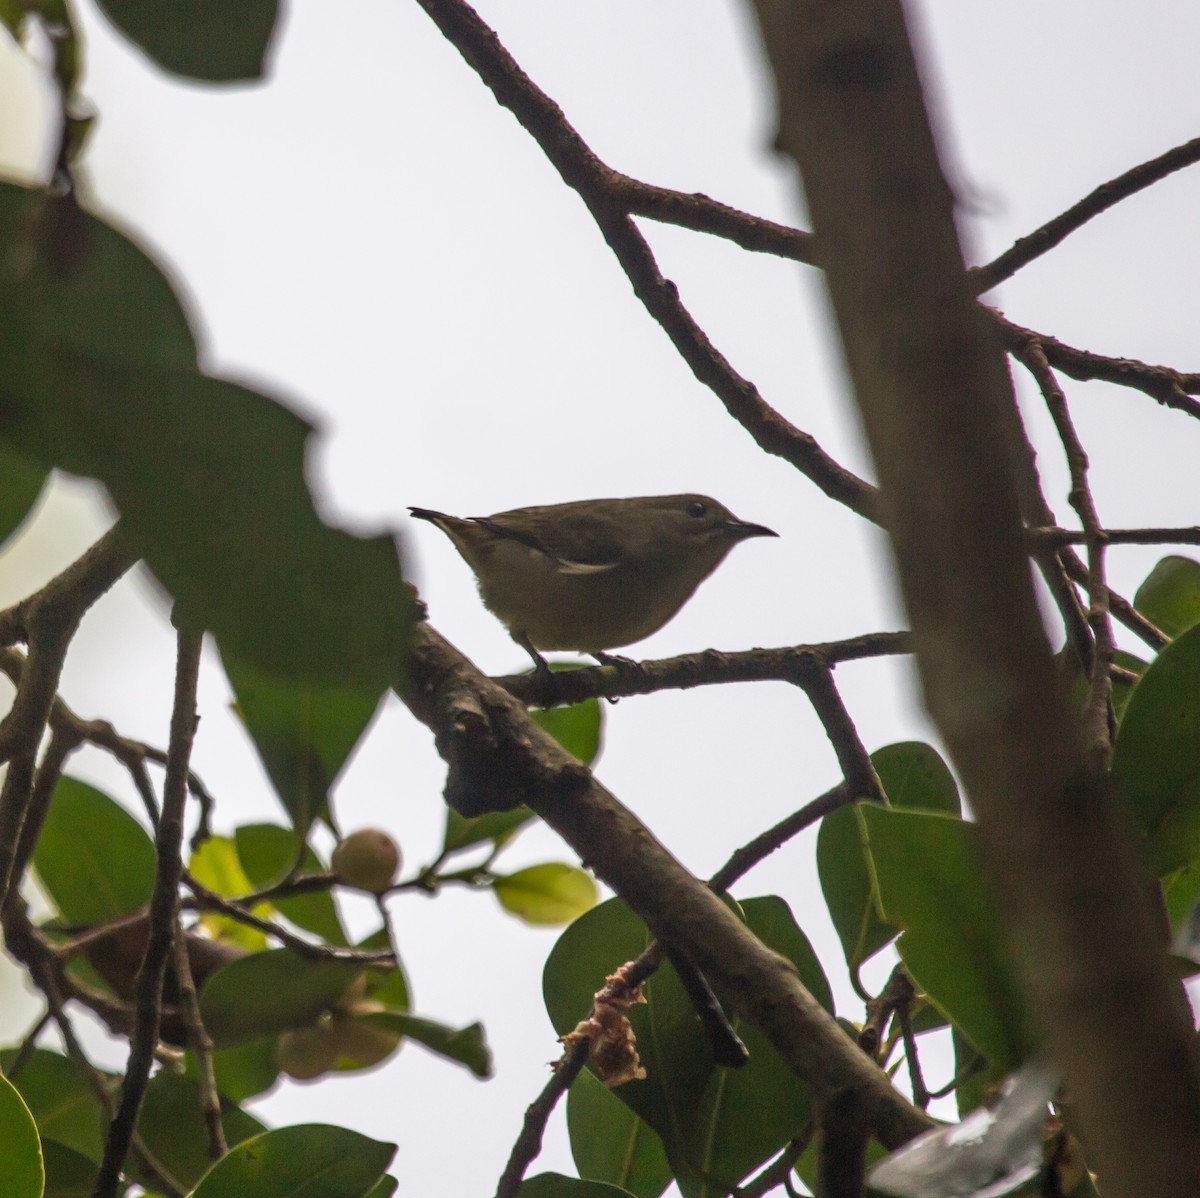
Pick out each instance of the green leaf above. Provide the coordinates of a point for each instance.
(209, 479)
(313, 1159)
(303, 732)
(217, 41)
(1079, 684)
(21, 483)
(93, 858)
(578, 727)
(12, 13)
(98, 377)
(553, 893)
(172, 1126)
(385, 1187)
(75, 282)
(555, 1185)
(68, 1173)
(268, 992)
(20, 1150)
(499, 826)
(913, 776)
(930, 883)
(610, 1143)
(60, 1098)
(716, 1124)
(1170, 596)
(267, 852)
(465, 1046)
(215, 864)
(1156, 757)
(243, 1071)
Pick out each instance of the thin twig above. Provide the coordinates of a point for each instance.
(200, 1043)
(529, 1143)
(205, 899)
(1098, 720)
(599, 188)
(711, 667)
(1053, 232)
(815, 678)
(28, 1045)
(1172, 388)
(164, 905)
(1057, 537)
(45, 974)
(778, 1172)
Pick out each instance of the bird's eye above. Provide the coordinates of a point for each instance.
(696, 508)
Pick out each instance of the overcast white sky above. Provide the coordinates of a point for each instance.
(371, 238)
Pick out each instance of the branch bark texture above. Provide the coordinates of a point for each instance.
(499, 755)
(937, 408)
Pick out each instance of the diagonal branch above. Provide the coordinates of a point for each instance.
(1172, 388)
(498, 757)
(599, 188)
(1025, 249)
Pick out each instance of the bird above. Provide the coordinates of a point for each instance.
(594, 574)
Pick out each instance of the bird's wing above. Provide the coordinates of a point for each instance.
(587, 552)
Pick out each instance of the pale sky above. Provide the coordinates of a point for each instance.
(370, 238)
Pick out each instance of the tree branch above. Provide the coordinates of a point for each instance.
(600, 188)
(938, 411)
(164, 916)
(711, 667)
(498, 757)
(1025, 249)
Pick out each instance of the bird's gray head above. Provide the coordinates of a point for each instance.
(694, 523)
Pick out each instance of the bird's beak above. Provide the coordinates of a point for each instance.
(741, 530)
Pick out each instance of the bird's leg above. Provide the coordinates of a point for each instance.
(541, 667)
(615, 659)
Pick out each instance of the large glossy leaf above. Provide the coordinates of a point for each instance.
(60, 1098)
(549, 894)
(74, 281)
(98, 377)
(209, 479)
(215, 864)
(21, 483)
(303, 732)
(930, 883)
(914, 776)
(1156, 757)
(267, 852)
(268, 992)
(465, 1046)
(610, 1143)
(93, 858)
(242, 1071)
(716, 1124)
(578, 727)
(1170, 596)
(217, 41)
(555, 1185)
(499, 826)
(314, 1160)
(69, 1174)
(20, 1150)
(171, 1125)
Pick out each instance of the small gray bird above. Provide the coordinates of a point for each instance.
(595, 574)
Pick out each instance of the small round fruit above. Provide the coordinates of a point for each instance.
(361, 1041)
(367, 860)
(307, 1052)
